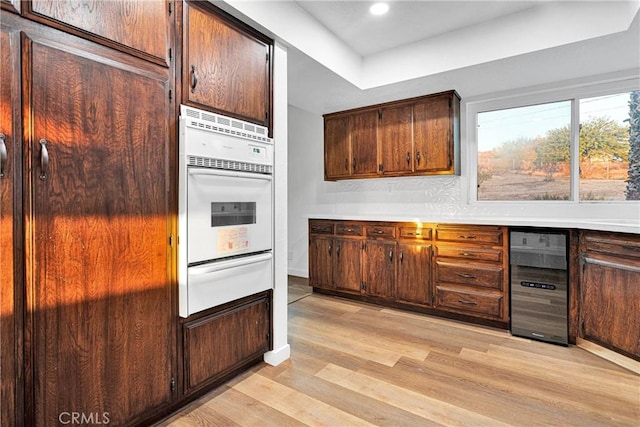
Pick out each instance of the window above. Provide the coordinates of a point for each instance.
(538, 152)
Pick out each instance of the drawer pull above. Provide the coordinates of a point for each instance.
(378, 231)
(330, 247)
(390, 256)
(467, 276)
(466, 254)
(349, 230)
(467, 237)
(467, 302)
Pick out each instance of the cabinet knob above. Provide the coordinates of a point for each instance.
(390, 255)
(408, 158)
(418, 157)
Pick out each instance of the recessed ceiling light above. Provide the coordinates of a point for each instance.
(379, 8)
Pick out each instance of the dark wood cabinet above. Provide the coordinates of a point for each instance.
(418, 136)
(434, 130)
(218, 343)
(100, 329)
(364, 143)
(226, 65)
(453, 270)
(337, 157)
(471, 272)
(414, 273)
(11, 378)
(347, 264)
(139, 27)
(610, 290)
(396, 139)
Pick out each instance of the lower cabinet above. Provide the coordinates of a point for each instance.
(218, 343)
(458, 271)
(610, 291)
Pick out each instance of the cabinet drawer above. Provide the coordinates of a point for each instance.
(415, 233)
(485, 276)
(349, 229)
(617, 244)
(378, 231)
(472, 253)
(320, 227)
(470, 302)
(489, 235)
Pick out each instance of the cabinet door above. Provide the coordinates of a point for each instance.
(320, 262)
(610, 304)
(380, 268)
(364, 143)
(10, 225)
(99, 292)
(226, 68)
(433, 137)
(347, 265)
(414, 273)
(336, 147)
(141, 25)
(221, 342)
(396, 139)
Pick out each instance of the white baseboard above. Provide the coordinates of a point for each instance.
(298, 272)
(276, 357)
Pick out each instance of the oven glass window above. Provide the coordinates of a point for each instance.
(232, 213)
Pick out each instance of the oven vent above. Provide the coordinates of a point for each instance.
(207, 162)
(222, 124)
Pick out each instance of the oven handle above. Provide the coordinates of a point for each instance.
(218, 172)
(233, 263)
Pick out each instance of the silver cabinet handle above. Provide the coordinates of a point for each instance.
(3, 155)
(44, 159)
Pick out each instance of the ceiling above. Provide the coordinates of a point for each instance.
(406, 22)
(341, 57)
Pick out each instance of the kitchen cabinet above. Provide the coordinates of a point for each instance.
(226, 65)
(337, 157)
(610, 290)
(380, 261)
(364, 143)
(11, 378)
(396, 139)
(110, 23)
(470, 270)
(219, 342)
(455, 271)
(418, 136)
(414, 266)
(347, 264)
(99, 311)
(435, 129)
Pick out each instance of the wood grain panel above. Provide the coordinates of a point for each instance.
(486, 276)
(321, 248)
(219, 343)
(347, 264)
(232, 67)
(101, 312)
(414, 273)
(142, 25)
(380, 268)
(396, 139)
(11, 285)
(336, 147)
(364, 143)
(432, 127)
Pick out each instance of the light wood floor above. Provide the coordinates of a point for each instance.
(356, 364)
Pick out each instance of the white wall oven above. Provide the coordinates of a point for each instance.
(225, 206)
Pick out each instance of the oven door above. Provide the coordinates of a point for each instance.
(219, 282)
(228, 214)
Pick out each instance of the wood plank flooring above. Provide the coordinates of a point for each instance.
(356, 364)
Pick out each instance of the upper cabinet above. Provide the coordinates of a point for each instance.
(226, 65)
(139, 27)
(418, 136)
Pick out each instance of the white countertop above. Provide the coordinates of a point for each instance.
(617, 225)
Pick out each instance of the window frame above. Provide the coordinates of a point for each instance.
(524, 98)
